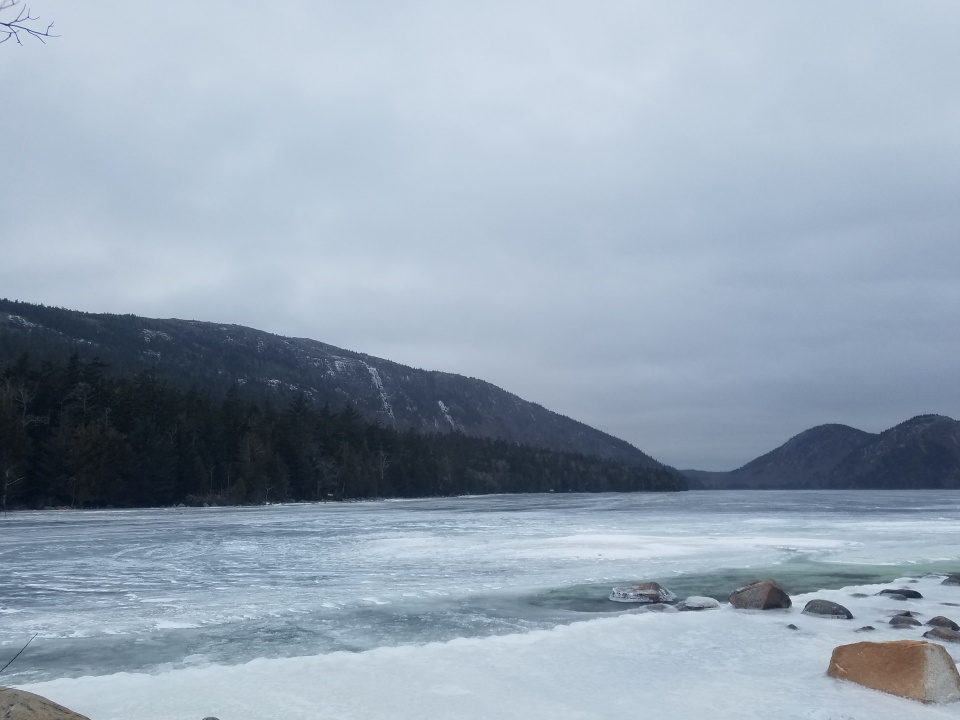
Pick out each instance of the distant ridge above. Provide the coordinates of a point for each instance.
(923, 452)
(215, 356)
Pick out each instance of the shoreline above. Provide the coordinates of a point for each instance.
(671, 664)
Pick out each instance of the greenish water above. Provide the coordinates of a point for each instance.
(796, 576)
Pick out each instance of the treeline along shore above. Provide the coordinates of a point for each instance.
(74, 435)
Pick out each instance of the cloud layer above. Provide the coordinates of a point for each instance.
(702, 227)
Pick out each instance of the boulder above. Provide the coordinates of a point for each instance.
(905, 613)
(696, 603)
(21, 705)
(953, 579)
(865, 628)
(765, 595)
(939, 633)
(791, 626)
(900, 622)
(913, 669)
(826, 608)
(942, 622)
(906, 592)
(648, 592)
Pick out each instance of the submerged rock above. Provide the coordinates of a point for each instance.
(791, 626)
(905, 613)
(657, 607)
(901, 621)
(953, 579)
(648, 592)
(859, 595)
(943, 622)
(913, 669)
(765, 595)
(695, 603)
(827, 608)
(865, 628)
(21, 705)
(939, 633)
(906, 592)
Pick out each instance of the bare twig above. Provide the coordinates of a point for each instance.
(21, 22)
(18, 654)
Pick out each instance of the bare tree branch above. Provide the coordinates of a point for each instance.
(21, 22)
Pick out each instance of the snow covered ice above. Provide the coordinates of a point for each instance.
(469, 607)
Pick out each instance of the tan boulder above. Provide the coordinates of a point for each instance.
(766, 595)
(913, 669)
(22, 705)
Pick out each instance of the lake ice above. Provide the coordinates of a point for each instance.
(476, 607)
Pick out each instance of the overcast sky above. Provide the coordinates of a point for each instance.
(700, 226)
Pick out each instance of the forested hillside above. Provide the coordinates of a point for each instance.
(73, 434)
(266, 367)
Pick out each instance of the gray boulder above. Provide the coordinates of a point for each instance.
(939, 633)
(943, 622)
(827, 608)
(902, 622)
(906, 592)
(765, 595)
(696, 603)
(953, 579)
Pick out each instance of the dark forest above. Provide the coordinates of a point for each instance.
(74, 435)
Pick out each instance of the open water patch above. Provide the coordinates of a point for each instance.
(797, 576)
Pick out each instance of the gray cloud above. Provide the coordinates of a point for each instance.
(702, 227)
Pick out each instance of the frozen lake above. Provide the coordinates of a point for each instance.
(156, 590)
(483, 607)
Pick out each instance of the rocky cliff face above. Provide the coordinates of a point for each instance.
(213, 357)
(923, 452)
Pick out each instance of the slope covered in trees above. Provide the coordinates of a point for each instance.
(73, 434)
(264, 366)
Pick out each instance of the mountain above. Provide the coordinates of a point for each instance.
(923, 452)
(215, 357)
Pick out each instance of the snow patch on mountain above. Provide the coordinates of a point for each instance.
(22, 322)
(446, 413)
(375, 376)
(150, 335)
